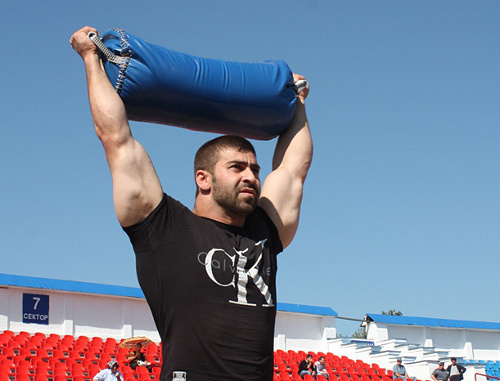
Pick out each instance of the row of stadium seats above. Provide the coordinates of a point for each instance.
(340, 368)
(40, 357)
(37, 357)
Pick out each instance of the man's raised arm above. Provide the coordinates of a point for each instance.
(136, 187)
(282, 190)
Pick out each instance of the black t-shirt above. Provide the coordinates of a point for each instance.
(304, 365)
(212, 290)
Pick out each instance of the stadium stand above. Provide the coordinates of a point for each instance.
(26, 357)
(83, 323)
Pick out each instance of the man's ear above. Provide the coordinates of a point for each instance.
(203, 180)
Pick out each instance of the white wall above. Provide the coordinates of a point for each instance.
(467, 343)
(295, 331)
(80, 314)
(120, 317)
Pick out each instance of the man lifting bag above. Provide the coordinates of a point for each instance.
(158, 85)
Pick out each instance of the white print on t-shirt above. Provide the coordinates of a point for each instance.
(179, 376)
(243, 275)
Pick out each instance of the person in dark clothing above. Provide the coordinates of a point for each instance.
(440, 374)
(455, 370)
(306, 366)
(208, 274)
(137, 358)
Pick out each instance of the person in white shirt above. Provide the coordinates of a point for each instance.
(111, 373)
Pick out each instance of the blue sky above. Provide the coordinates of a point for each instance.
(401, 206)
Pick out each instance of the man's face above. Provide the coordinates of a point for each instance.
(236, 183)
(309, 359)
(322, 361)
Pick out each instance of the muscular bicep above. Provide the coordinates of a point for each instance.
(281, 199)
(136, 187)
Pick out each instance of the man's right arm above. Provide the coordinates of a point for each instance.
(136, 187)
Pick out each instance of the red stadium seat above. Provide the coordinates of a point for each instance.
(141, 369)
(94, 348)
(143, 376)
(4, 340)
(26, 353)
(78, 356)
(52, 341)
(82, 340)
(41, 368)
(93, 370)
(22, 369)
(8, 352)
(42, 354)
(381, 372)
(36, 341)
(285, 376)
(14, 345)
(5, 369)
(60, 372)
(58, 354)
(59, 377)
(8, 362)
(23, 364)
(40, 377)
(96, 341)
(59, 365)
(129, 377)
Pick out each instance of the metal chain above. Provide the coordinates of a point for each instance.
(110, 56)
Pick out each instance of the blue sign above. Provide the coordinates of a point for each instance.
(36, 309)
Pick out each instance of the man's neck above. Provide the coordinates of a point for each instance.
(216, 213)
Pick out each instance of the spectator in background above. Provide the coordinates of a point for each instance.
(455, 370)
(137, 358)
(111, 373)
(440, 374)
(399, 370)
(307, 367)
(320, 368)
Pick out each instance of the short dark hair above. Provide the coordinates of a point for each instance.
(208, 154)
(309, 356)
(453, 358)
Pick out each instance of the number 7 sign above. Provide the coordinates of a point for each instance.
(36, 309)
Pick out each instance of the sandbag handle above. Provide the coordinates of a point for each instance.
(299, 86)
(110, 56)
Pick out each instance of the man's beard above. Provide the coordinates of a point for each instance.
(228, 198)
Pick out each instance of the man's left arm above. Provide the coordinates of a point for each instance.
(282, 190)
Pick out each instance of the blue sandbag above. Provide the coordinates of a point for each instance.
(158, 85)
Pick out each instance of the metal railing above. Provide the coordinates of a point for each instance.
(485, 375)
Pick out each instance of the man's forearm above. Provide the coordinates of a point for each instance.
(108, 111)
(294, 148)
